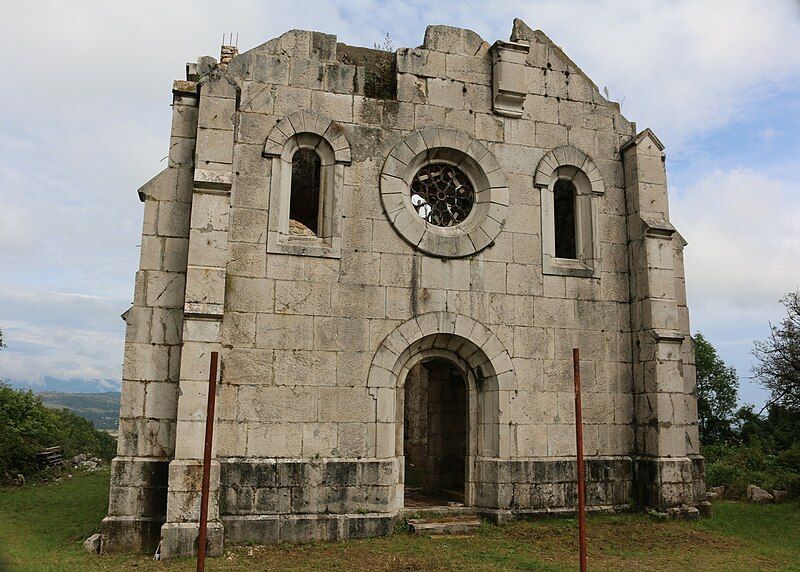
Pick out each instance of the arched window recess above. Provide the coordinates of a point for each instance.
(571, 186)
(309, 154)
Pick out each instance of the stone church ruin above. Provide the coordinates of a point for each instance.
(394, 255)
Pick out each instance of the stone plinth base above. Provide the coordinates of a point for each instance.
(698, 476)
(266, 529)
(179, 539)
(664, 483)
(547, 486)
(316, 486)
(137, 504)
(130, 534)
(138, 487)
(280, 500)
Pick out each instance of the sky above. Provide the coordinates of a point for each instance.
(85, 116)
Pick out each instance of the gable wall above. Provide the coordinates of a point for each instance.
(302, 331)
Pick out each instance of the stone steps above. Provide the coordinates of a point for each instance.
(436, 512)
(461, 524)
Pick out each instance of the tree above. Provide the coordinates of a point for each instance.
(776, 431)
(26, 427)
(717, 393)
(778, 357)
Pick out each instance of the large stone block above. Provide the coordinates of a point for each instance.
(454, 41)
(245, 294)
(216, 113)
(214, 146)
(275, 440)
(146, 362)
(206, 286)
(165, 289)
(278, 404)
(421, 62)
(179, 540)
(358, 300)
(130, 534)
(300, 367)
(308, 298)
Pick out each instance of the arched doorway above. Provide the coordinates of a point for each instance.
(489, 381)
(435, 433)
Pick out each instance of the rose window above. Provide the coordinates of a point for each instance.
(442, 194)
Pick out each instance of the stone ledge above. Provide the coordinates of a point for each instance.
(656, 227)
(304, 528)
(183, 87)
(499, 516)
(666, 482)
(669, 336)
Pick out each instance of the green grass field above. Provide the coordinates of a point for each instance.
(42, 527)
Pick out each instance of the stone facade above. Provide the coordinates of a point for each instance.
(317, 332)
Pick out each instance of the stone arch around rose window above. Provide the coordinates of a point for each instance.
(454, 149)
(570, 164)
(305, 130)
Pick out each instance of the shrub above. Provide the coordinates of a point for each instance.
(77, 435)
(27, 427)
(753, 464)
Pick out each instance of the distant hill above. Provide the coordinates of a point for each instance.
(68, 385)
(102, 409)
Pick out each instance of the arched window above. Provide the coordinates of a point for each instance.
(564, 218)
(306, 184)
(571, 188)
(304, 198)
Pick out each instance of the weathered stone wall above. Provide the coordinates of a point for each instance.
(153, 337)
(262, 498)
(302, 331)
(520, 488)
(316, 336)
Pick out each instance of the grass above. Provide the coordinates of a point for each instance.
(42, 527)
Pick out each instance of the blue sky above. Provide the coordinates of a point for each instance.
(85, 121)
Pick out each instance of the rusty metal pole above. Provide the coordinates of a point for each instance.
(576, 365)
(212, 397)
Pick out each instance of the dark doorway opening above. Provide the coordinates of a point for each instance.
(434, 434)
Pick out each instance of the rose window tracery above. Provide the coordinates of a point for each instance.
(442, 194)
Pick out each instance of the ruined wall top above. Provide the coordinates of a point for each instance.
(446, 52)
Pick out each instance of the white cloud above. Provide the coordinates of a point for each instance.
(743, 229)
(60, 335)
